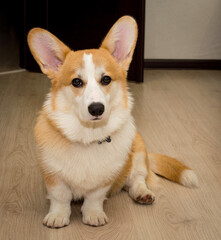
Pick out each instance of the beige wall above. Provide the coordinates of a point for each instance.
(183, 29)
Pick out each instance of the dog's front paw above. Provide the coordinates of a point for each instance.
(56, 220)
(95, 218)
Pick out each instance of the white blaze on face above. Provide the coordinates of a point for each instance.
(91, 74)
(92, 93)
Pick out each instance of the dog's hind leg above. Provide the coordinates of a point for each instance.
(137, 179)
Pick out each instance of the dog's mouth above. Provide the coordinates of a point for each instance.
(96, 118)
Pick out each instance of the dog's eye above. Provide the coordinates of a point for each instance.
(105, 80)
(77, 82)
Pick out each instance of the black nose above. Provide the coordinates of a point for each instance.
(96, 109)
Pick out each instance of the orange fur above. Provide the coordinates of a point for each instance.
(167, 167)
(139, 146)
(74, 61)
(49, 178)
(46, 132)
(162, 165)
(78, 163)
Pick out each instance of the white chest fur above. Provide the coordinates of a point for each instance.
(88, 166)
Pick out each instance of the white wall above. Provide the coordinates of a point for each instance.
(183, 29)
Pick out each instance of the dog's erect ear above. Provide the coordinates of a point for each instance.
(48, 51)
(121, 40)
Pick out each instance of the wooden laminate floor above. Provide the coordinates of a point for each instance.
(177, 112)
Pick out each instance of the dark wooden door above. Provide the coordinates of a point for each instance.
(84, 24)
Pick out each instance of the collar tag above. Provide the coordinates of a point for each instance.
(108, 139)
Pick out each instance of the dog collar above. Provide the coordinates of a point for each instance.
(108, 139)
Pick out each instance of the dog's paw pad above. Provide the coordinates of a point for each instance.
(56, 220)
(146, 199)
(95, 218)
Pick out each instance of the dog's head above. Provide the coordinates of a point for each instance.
(90, 82)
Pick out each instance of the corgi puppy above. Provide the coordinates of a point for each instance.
(85, 132)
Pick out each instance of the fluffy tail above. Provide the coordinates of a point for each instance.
(172, 169)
